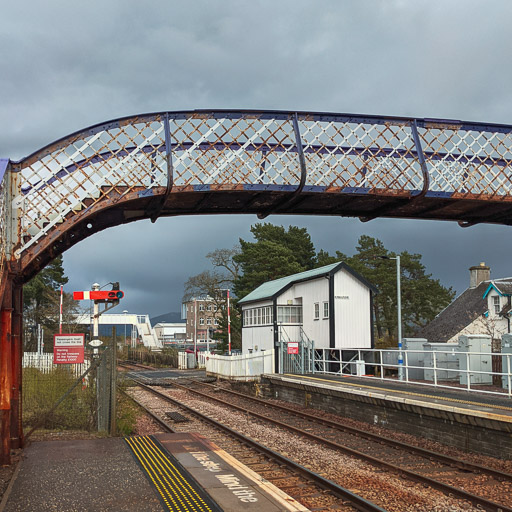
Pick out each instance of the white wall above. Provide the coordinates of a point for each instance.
(257, 336)
(352, 315)
(492, 326)
(316, 290)
(352, 312)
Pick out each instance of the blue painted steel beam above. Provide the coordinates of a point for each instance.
(279, 115)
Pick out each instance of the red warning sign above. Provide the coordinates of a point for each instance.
(293, 347)
(68, 348)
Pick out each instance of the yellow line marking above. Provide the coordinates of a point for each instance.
(172, 486)
(166, 463)
(161, 469)
(456, 400)
(145, 466)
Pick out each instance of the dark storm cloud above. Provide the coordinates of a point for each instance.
(65, 66)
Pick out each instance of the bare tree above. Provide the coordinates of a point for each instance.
(224, 259)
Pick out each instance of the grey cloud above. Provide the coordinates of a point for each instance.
(66, 66)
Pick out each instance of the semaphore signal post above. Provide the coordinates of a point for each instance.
(106, 381)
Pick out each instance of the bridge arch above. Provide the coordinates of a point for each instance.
(258, 162)
(231, 161)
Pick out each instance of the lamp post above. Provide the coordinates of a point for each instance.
(399, 308)
(124, 313)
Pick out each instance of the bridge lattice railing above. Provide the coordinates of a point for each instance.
(4, 217)
(259, 150)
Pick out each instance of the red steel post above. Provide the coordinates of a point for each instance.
(5, 385)
(16, 359)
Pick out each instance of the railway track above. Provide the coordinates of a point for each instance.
(448, 474)
(130, 365)
(308, 488)
(485, 488)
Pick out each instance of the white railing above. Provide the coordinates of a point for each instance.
(44, 363)
(202, 358)
(453, 368)
(182, 360)
(241, 367)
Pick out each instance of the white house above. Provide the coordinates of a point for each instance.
(330, 305)
(484, 308)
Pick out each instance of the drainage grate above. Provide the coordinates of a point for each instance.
(176, 417)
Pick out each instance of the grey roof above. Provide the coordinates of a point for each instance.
(269, 289)
(504, 287)
(461, 312)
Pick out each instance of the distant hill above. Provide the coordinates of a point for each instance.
(170, 318)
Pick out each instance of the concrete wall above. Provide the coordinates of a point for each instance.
(468, 433)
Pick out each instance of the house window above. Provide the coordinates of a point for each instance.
(216, 321)
(208, 321)
(326, 310)
(201, 307)
(209, 308)
(496, 302)
(214, 308)
(317, 310)
(201, 321)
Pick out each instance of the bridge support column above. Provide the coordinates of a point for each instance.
(5, 385)
(16, 359)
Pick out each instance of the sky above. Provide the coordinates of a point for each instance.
(67, 65)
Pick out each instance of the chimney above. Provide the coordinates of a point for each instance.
(478, 274)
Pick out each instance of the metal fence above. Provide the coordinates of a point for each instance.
(472, 371)
(45, 383)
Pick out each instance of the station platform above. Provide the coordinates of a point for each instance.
(471, 421)
(162, 472)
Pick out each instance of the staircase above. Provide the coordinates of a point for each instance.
(147, 333)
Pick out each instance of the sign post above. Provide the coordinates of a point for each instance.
(68, 348)
(293, 347)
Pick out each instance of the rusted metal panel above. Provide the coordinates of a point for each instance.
(152, 159)
(5, 385)
(16, 360)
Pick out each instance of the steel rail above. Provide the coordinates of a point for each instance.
(452, 461)
(136, 365)
(358, 502)
(445, 488)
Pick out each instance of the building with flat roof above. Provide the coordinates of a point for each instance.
(202, 315)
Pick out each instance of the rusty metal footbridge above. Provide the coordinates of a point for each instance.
(232, 162)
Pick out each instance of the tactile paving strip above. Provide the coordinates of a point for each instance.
(176, 488)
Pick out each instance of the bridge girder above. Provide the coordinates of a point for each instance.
(254, 162)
